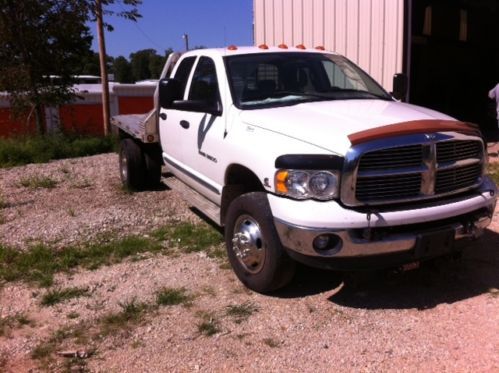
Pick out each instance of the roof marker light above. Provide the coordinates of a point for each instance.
(263, 46)
(320, 48)
(232, 48)
(283, 46)
(301, 46)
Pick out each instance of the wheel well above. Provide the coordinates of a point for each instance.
(238, 180)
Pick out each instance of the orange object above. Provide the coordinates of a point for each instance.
(263, 46)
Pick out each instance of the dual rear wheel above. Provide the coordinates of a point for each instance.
(140, 165)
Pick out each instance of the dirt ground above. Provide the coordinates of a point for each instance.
(441, 317)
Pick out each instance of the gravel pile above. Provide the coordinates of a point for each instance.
(87, 201)
(439, 318)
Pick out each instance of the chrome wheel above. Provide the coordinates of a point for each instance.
(247, 244)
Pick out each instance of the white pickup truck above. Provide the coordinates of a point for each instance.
(301, 156)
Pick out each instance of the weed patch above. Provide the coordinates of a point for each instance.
(172, 297)
(493, 171)
(41, 149)
(3, 203)
(55, 296)
(241, 312)
(190, 237)
(13, 322)
(271, 342)
(38, 182)
(131, 313)
(209, 324)
(40, 263)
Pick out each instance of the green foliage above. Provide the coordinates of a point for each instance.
(209, 324)
(122, 70)
(41, 38)
(13, 322)
(131, 313)
(35, 182)
(172, 297)
(41, 149)
(146, 64)
(190, 237)
(241, 312)
(55, 296)
(493, 171)
(39, 264)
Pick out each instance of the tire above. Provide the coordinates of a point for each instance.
(132, 165)
(253, 246)
(153, 163)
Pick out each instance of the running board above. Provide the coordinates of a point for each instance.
(193, 198)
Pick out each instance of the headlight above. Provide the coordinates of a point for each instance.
(301, 184)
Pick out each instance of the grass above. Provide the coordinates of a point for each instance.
(173, 296)
(241, 312)
(493, 171)
(209, 324)
(41, 262)
(131, 313)
(41, 149)
(56, 296)
(191, 237)
(36, 182)
(13, 322)
(271, 342)
(3, 203)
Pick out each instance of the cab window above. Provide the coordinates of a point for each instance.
(204, 85)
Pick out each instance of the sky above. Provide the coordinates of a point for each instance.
(209, 23)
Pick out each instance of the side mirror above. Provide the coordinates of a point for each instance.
(199, 106)
(169, 91)
(400, 86)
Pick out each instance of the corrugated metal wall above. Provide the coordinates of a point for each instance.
(369, 32)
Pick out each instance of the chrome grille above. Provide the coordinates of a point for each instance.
(429, 166)
(457, 178)
(407, 156)
(452, 151)
(374, 188)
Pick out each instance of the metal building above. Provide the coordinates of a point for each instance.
(449, 49)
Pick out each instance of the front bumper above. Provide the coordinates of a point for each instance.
(409, 234)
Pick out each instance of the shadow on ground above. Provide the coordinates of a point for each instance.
(434, 283)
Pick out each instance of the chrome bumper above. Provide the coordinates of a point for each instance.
(357, 243)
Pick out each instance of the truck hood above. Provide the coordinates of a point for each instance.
(327, 124)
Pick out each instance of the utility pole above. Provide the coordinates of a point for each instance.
(103, 67)
(186, 39)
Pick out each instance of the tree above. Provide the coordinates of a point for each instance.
(122, 70)
(146, 64)
(39, 39)
(90, 64)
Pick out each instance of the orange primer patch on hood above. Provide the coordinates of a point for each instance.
(413, 127)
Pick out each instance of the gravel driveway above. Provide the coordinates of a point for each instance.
(442, 317)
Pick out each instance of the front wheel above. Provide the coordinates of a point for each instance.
(253, 246)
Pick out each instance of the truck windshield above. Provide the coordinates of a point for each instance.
(279, 79)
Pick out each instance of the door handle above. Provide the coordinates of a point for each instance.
(185, 124)
(162, 116)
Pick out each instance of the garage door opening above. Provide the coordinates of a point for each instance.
(454, 58)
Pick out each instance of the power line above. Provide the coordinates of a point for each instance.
(161, 48)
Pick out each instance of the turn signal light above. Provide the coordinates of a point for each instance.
(280, 181)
